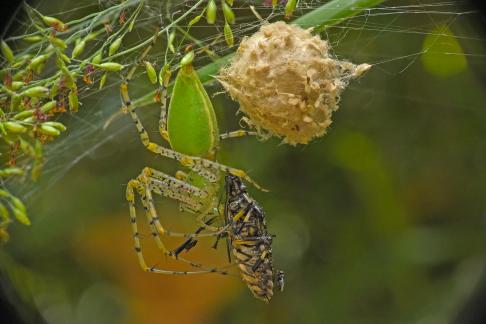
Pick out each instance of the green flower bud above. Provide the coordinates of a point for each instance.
(24, 114)
(290, 7)
(97, 59)
(56, 125)
(187, 59)
(49, 130)
(48, 106)
(228, 13)
(12, 171)
(38, 60)
(78, 49)
(211, 12)
(37, 91)
(228, 34)
(14, 127)
(164, 75)
(57, 42)
(21, 216)
(7, 52)
(152, 75)
(4, 212)
(16, 85)
(115, 46)
(170, 42)
(73, 100)
(111, 66)
(195, 20)
(103, 80)
(54, 23)
(14, 102)
(32, 39)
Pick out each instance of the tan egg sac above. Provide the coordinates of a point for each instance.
(286, 82)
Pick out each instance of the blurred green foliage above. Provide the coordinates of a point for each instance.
(443, 55)
(381, 221)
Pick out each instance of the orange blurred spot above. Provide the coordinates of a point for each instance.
(108, 247)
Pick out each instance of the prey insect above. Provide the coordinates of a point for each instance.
(250, 243)
(190, 127)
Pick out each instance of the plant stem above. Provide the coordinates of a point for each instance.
(334, 12)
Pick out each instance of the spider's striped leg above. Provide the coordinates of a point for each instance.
(191, 243)
(202, 215)
(163, 111)
(165, 185)
(178, 188)
(137, 185)
(237, 133)
(161, 187)
(162, 89)
(130, 195)
(158, 182)
(175, 254)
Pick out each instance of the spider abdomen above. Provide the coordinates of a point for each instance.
(191, 124)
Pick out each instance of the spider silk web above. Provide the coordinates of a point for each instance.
(369, 37)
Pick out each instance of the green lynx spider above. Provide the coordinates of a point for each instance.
(191, 129)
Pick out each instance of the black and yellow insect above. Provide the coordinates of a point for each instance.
(249, 240)
(251, 244)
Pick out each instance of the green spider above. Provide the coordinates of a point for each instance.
(190, 127)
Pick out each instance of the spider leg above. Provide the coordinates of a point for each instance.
(163, 111)
(162, 91)
(201, 216)
(165, 185)
(237, 133)
(178, 188)
(174, 254)
(144, 190)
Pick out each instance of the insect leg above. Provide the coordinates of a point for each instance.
(191, 242)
